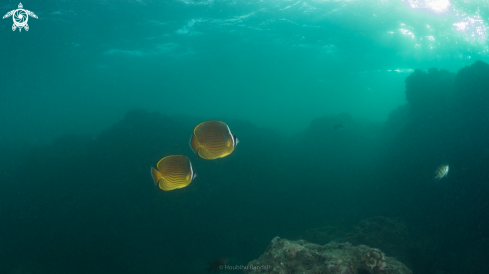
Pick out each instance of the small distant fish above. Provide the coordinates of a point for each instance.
(172, 172)
(441, 172)
(212, 140)
(339, 127)
(216, 264)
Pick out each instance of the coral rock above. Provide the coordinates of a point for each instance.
(300, 257)
(374, 258)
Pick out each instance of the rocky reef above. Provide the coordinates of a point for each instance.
(300, 257)
(388, 235)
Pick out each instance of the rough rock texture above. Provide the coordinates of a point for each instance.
(388, 235)
(374, 258)
(300, 257)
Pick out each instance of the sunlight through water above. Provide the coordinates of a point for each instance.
(472, 28)
(437, 6)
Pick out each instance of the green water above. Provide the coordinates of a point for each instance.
(96, 92)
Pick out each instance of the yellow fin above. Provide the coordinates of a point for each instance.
(157, 176)
(194, 144)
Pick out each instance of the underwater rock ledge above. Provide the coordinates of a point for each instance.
(300, 257)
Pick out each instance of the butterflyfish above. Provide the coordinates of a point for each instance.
(213, 139)
(441, 172)
(172, 172)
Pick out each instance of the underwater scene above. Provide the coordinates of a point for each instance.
(250, 136)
